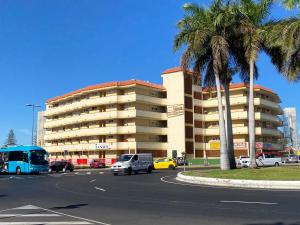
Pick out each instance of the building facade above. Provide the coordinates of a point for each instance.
(291, 129)
(40, 130)
(106, 120)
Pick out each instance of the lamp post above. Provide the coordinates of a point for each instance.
(32, 129)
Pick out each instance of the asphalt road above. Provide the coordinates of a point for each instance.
(98, 197)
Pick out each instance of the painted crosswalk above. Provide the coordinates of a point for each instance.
(34, 215)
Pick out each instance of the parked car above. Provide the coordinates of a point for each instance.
(97, 163)
(180, 161)
(129, 163)
(63, 166)
(165, 163)
(290, 159)
(263, 159)
(243, 159)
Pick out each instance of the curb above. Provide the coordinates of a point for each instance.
(259, 184)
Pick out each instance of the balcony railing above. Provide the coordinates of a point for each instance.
(115, 99)
(122, 114)
(113, 146)
(106, 131)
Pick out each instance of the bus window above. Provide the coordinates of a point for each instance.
(15, 156)
(25, 157)
(38, 157)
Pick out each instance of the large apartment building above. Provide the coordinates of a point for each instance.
(106, 120)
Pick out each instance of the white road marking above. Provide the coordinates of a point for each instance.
(88, 172)
(101, 172)
(75, 217)
(76, 172)
(101, 189)
(27, 207)
(29, 215)
(92, 181)
(85, 221)
(45, 223)
(244, 202)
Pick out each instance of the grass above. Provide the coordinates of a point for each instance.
(199, 161)
(266, 173)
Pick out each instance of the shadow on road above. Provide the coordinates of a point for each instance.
(277, 223)
(75, 206)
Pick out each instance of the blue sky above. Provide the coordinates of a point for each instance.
(51, 47)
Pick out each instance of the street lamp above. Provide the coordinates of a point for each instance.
(32, 129)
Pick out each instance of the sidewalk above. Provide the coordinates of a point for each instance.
(257, 184)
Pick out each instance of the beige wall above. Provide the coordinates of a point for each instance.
(174, 83)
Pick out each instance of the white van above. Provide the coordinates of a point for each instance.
(263, 159)
(268, 160)
(133, 163)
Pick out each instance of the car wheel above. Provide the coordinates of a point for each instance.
(171, 167)
(18, 171)
(129, 171)
(276, 164)
(71, 170)
(149, 170)
(115, 174)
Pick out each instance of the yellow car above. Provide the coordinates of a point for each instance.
(165, 163)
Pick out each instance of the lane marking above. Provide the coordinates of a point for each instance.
(27, 207)
(244, 202)
(90, 221)
(92, 181)
(101, 172)
(75, 217)
(29, 215)
(44, 223)
(88, 173)
(101, 189)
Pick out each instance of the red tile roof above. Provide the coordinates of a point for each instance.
(176, 69)
(108, 84)
(241, 85)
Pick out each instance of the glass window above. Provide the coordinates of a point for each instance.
(16, 156)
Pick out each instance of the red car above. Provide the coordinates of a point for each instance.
(97, 163)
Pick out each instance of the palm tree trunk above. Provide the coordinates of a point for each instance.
(229, 133)
(224, 160)
(251, 115)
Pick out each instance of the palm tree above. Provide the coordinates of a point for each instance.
(204, 32)
(290, 4)
(280, 40)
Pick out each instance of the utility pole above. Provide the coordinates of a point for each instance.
(32, 128)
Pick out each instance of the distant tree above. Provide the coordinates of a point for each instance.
(11, 138)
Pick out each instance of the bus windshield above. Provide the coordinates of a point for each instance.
(124, 158)
(38, 157)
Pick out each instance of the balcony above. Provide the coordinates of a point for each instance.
(116, 99)
(240, 130)
(106, 131)
(243, 115)
(122, 114)
(113, 146)
(239, 100)
(273, 146)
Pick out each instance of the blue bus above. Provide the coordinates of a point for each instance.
(23, 159)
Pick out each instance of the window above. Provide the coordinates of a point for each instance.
(17, 156)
